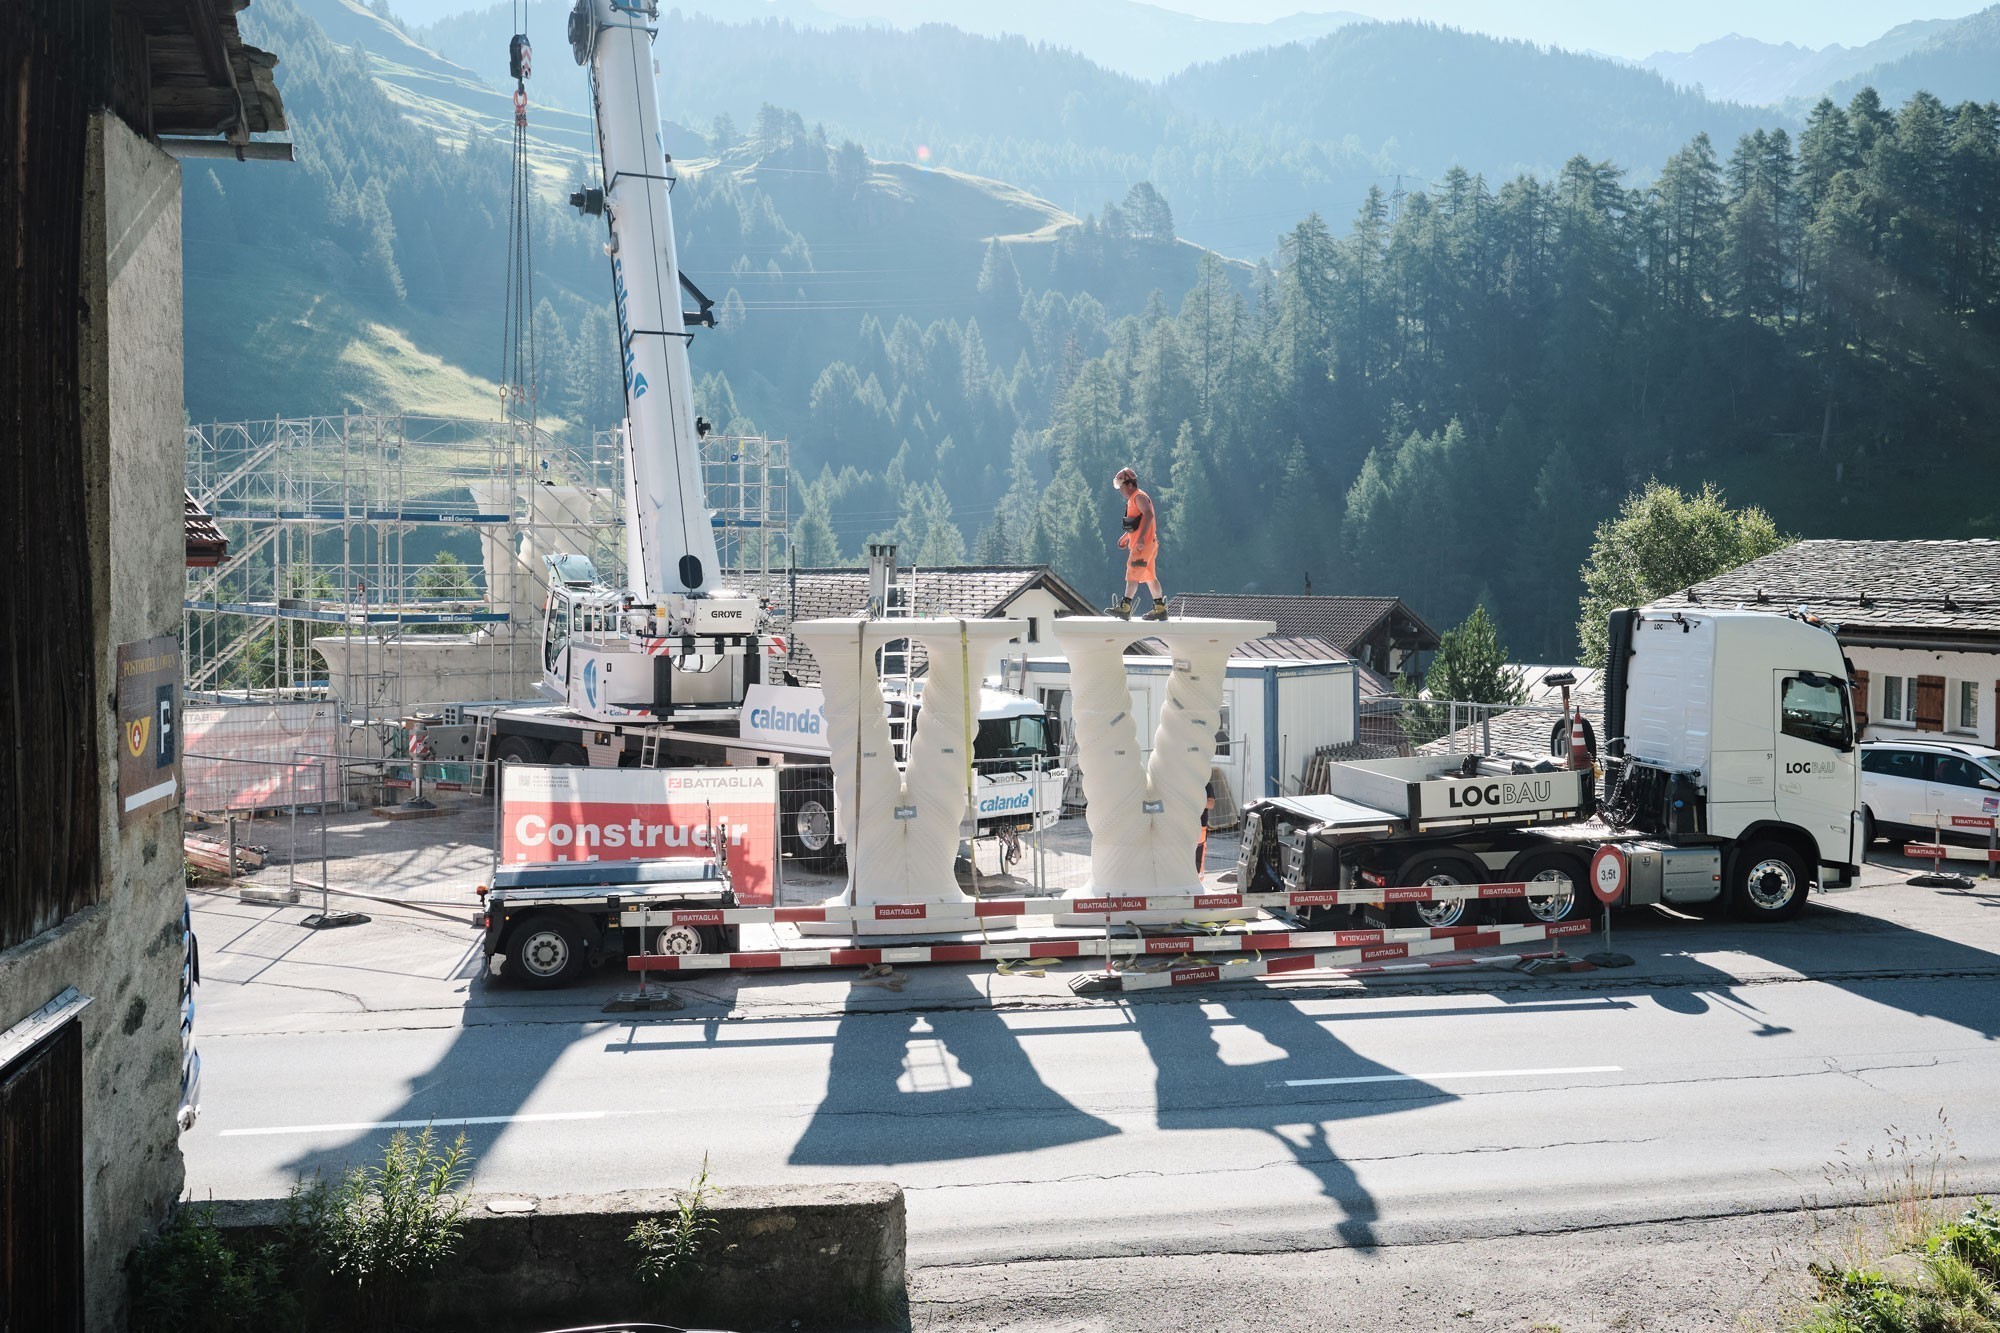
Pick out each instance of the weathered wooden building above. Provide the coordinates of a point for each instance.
(101, 95)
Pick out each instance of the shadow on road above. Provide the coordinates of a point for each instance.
(1195, 1088)
(926, 1086)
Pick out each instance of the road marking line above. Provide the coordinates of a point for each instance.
(440, 1121)
(1469, 1073)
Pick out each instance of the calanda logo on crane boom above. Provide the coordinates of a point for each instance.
(635, 383)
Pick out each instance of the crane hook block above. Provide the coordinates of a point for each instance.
(520, 58)
(589, 200)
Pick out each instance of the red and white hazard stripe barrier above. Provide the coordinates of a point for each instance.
(1361, 961)
(973, 911)
(1938, 850)
(1412, 941)
(1941, 851)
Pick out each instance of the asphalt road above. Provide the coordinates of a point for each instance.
(1732, 1070)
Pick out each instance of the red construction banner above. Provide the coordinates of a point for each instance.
(644, 814)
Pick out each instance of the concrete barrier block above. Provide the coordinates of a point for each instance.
(826, 1256)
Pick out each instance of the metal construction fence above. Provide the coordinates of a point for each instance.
(426, 833)
(258, 822)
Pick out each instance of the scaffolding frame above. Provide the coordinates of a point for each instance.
(332, 522)
(748, 482)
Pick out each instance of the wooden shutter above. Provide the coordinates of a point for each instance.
(41, 1186)
(1860, 693)
(1930, 703)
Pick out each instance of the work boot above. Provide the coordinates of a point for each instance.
(1123, 610)
(1159, 612)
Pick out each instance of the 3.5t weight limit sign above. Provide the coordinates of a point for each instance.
(1610, 871)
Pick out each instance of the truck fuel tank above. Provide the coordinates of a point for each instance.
(1664, 873)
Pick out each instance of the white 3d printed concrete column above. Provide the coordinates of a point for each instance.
(902, 828)
(1145, 811)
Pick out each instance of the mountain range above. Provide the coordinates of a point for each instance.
(1140, 40)
(1241, 146)
(1952, 58)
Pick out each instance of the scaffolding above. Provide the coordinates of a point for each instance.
(335, 522)
(748, 481)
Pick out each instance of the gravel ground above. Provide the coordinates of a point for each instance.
(1738, 1273)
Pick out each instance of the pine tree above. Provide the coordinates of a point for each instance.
(378, 260)
(1471, 664)
(814, 544)
(1190, 529)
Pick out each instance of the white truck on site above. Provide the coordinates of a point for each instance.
(674, 670)
(1730, 779)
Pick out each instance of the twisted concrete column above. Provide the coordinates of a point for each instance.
(902, 827)
(1145, 812)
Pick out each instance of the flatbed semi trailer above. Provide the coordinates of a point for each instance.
(1728, 778)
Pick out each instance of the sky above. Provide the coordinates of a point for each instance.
(1622, 28)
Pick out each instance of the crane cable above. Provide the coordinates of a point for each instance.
(518, 383)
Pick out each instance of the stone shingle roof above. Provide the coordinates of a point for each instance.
(974, 592)
(1341, 621)
(1521, 731)
(1921, 590)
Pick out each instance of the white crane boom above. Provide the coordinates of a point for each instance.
(672, 543)
(670, 645)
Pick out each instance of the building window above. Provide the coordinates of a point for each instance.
(1034, 629)
(1899, 700)
(1224, 725)
(1967, 716)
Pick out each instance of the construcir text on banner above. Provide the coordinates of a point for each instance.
(645, 814)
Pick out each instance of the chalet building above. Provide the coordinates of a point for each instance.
(1381, 634)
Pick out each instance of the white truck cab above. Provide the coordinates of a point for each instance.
(1752, 708)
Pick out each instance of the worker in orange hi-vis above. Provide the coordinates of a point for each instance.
(1142, 548)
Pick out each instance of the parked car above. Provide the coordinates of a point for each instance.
(1905, 780)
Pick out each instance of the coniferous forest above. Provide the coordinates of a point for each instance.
(1438, 395)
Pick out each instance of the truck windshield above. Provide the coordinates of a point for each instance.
(1814, 709)
(1014, 738)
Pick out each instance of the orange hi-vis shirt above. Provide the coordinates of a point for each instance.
(1141, 551)
(1139, 505)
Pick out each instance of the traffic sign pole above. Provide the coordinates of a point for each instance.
(1610, 872)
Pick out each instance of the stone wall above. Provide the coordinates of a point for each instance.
(125, 950)
(785, 1257)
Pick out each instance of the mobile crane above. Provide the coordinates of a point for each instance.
(676, 669)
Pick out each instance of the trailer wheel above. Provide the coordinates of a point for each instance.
(1438, 871)
(1769, 883)
(520, 750)
(570, 753)
(684, 940)
(1565, 905)
(544, 949)
(808, 827)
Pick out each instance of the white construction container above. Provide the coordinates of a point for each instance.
(1274, 713)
